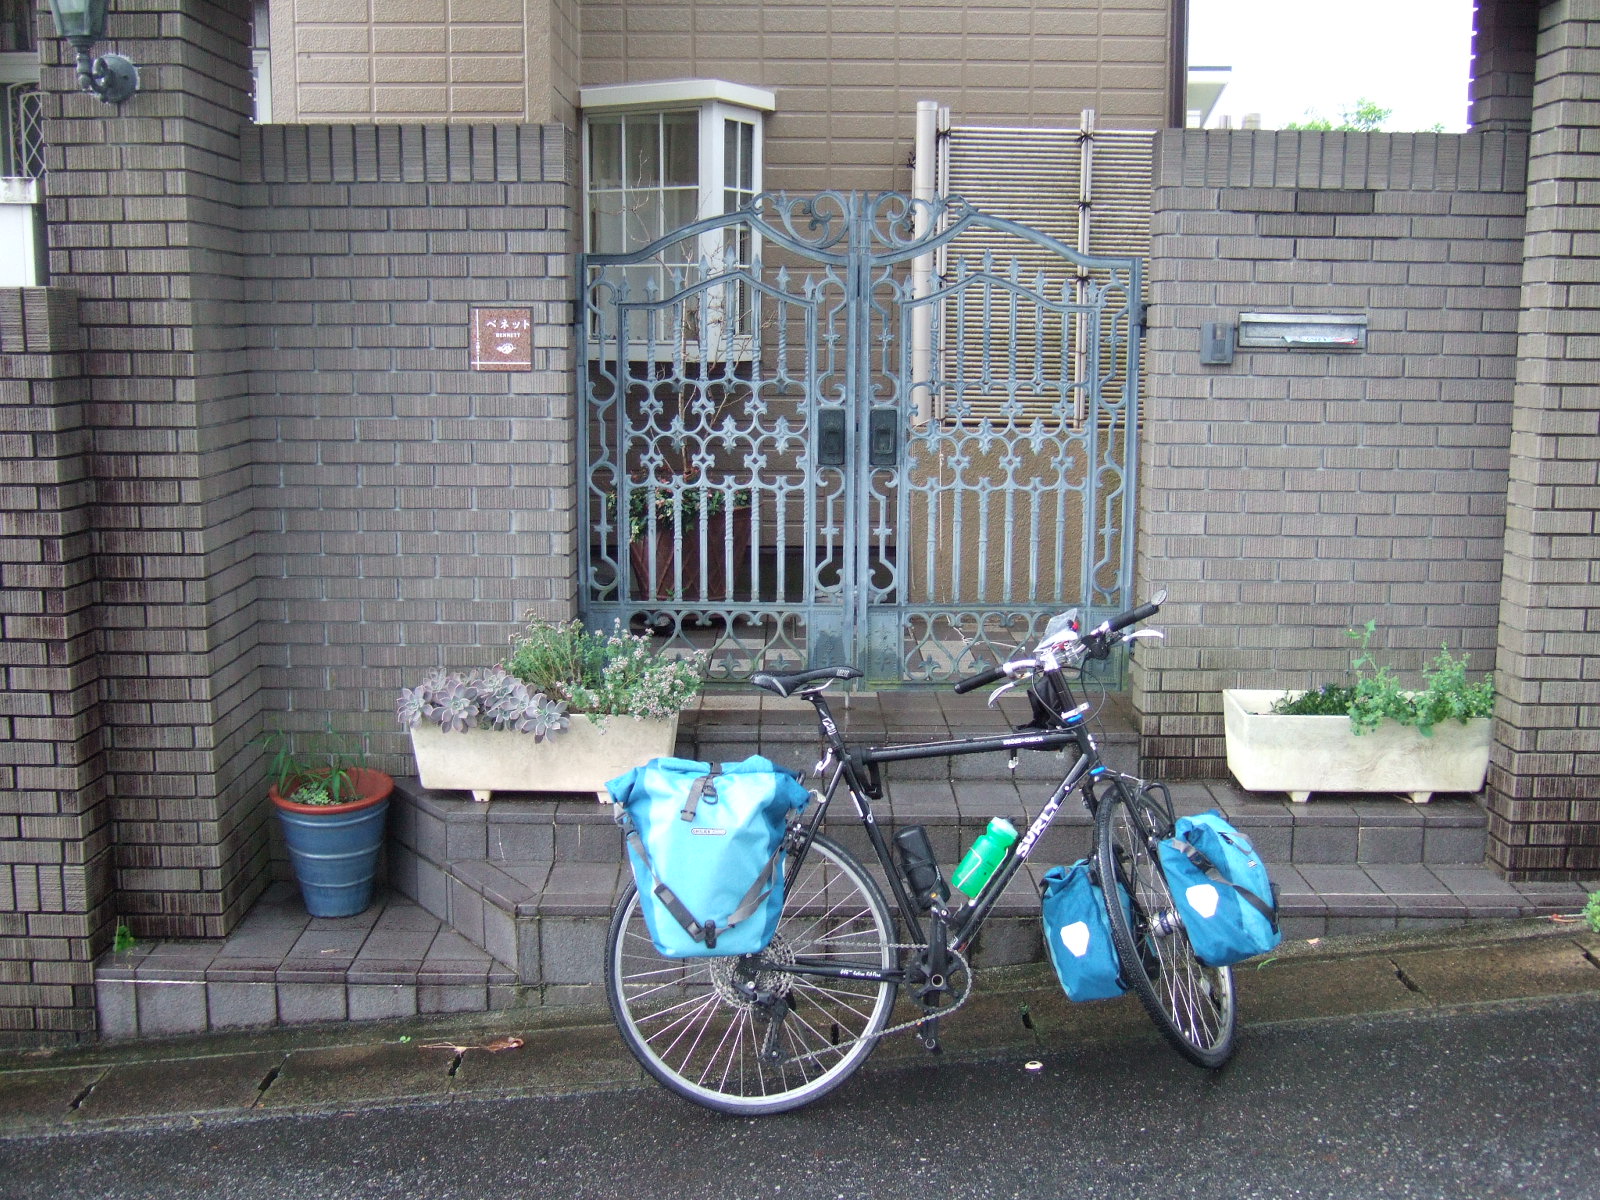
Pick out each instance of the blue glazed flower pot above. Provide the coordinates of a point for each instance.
(334, 848)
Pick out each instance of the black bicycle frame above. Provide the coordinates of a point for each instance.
(858, 770)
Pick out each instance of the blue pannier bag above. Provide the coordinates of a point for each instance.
(1077, 934)
(706, 847)
(1221, 887)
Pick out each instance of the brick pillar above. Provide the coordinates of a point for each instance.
(1502, 65)
(142, 213)
(56, 893)
(1544, 796)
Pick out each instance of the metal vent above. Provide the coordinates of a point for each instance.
(1089, 189)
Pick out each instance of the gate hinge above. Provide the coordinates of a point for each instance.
(1140, 308)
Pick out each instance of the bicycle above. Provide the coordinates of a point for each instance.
(769, 1032)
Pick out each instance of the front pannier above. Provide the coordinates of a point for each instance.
(1222, 890)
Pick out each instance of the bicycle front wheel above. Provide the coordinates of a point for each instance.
(697, 1031)
(1192, 1004)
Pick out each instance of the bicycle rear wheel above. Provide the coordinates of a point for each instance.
(1192, 1004)
(696, 1032)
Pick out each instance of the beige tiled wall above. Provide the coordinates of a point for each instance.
(412, 60)
(848, 74)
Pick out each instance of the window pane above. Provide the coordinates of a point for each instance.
(739, 155)
(643, 218)
(682, 207)
(681, 132)
(605, 153)
(641, 147)
(606, 234)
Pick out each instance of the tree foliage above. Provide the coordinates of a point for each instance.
(1364, 116)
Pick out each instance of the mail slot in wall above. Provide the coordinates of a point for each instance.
(1303, 331)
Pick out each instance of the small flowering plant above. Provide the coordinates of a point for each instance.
(554, 669)
(615, 674)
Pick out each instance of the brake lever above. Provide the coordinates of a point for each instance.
(995, 695)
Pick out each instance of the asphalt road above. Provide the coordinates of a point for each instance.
(1465, 1103)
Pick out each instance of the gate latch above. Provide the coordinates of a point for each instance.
(830, 437)
(883, 437)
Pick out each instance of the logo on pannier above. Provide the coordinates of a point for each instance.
(1075, 937)
(708, 832)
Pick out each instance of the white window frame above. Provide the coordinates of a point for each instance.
(21, 208)
(717, 102)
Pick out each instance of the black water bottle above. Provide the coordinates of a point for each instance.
(920, 868)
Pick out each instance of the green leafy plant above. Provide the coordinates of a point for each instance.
(687, 503)
(1329, 700)
(618, 674)
(684, 498)
(1376, 695)
(1591, 912)
(555, 669)
(123, 939)
(314, 769)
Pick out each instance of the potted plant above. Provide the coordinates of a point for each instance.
(668, 514)
(566, 711)
(332, 810)
(1369, 735)
(665, 523)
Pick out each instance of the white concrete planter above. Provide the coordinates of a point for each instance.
(1301, 755)
(593, 751)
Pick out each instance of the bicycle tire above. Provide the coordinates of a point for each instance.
(1193, 1005)
(695, 1035)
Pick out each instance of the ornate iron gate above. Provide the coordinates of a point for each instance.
(863, 429)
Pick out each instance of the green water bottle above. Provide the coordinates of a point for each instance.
(985, 857)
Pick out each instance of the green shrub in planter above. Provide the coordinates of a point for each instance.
(1376, 695)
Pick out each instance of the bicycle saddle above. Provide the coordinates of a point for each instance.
(788, 685)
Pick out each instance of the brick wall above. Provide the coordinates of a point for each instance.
(1293, 494)
(410, 509)
(848, 76)
(1544, 793)
(56, 911)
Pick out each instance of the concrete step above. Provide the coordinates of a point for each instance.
(532, 881)
(281, 967)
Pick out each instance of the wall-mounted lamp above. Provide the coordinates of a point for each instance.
(83, 23)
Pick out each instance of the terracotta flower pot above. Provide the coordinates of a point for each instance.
(335, 847)
(654, 564)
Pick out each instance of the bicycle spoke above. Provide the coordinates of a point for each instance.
(701, 1026)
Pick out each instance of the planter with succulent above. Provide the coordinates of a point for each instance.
(332, 810)
(1369, 735)
(568, 710)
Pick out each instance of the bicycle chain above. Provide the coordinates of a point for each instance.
(966, 992)
(966, 971)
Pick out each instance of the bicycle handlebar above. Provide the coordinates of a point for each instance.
(1132, 617)
(973, 682)
(1095, 644)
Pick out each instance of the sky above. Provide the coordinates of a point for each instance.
(1290, 56)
